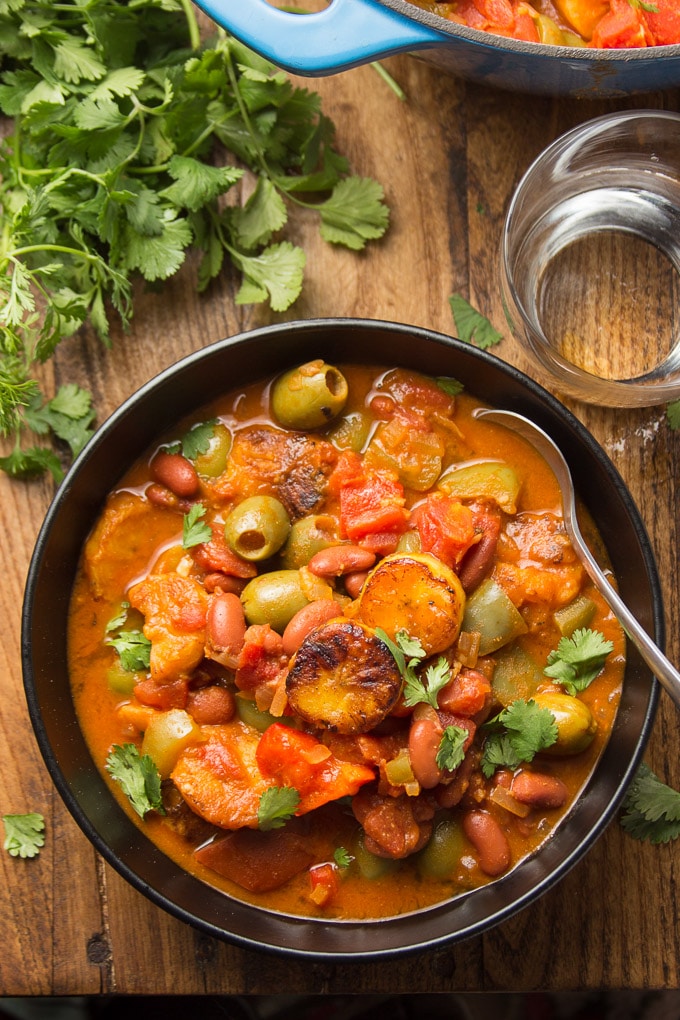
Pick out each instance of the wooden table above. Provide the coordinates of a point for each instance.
(449, 158)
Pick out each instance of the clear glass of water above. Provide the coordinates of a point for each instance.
(590, 260)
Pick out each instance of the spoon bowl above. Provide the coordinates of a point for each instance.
(661, 667)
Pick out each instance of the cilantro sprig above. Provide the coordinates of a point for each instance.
(128, 137)
(138, 776)
(471, 325)
(194, 530)
(578, 659)
(132, 646)
(416, 690)
(516, 735)
(651, 809)
(277, 805)
(451, 751)
(24, 834)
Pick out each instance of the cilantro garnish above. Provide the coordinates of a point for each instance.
(194, 530)
(450, 386)
(415, 689)
(138, 777)
(451, 753)
(24, 834)
(277, 805)
(197, 439)
(578, 659)
(342, 857)
(111, 170)
(516, 735)
(471, 325)
(134, 650)
(651, 810)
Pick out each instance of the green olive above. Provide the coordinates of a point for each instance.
(370, 865)
(576, 724)
(213, 462)
(444, 850)
(257, 527)
(273, 598)
(308, 536)
(310, 396)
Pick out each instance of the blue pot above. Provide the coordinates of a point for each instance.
(353, 32)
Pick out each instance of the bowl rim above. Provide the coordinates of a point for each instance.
(304, 937)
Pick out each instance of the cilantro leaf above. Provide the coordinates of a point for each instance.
(138, 776)
(673, 414)
(354, 213)
(194, 530)
(24, 834)
(516, 735)
(471, 325)
(197, 439)
(134, 650)
(342, 857)
(118, 619)
(416, 690)
(277, 273)
(277, 805)
(651, 809)
(578, 659)
(451, 748)
(450, 386)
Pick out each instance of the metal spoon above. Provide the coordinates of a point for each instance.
(664, 671)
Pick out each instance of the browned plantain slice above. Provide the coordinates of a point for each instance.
(343, 678)
(417, 593)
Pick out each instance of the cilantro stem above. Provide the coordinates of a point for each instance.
(192, 25)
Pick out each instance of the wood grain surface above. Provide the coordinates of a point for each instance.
(449, 158)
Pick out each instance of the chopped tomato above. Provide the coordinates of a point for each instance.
(467, 694)
(370, 502)
(298, 759)
(663, 20)
(324, 882)
(261, 660)
(446, 527)
(623, 27)
(216, 555)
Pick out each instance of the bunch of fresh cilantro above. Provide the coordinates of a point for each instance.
(125, 134)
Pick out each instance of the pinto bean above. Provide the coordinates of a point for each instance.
(539, 790)
(211, 706)
(160, 495)
(225, 628)
(341, 559)
(354, 582)
(217, 581)
(424, 738)
(175, 472)
(478, 560)
(305, 621)
(489, 840)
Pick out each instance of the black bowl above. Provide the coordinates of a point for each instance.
(184, 388)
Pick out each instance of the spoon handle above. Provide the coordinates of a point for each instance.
(665, 672)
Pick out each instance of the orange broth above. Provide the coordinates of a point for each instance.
(127, 547)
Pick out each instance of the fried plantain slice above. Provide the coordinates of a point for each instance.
(417, 593)
(343, 678)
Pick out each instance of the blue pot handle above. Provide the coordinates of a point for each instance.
(344, 35)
